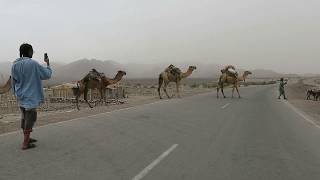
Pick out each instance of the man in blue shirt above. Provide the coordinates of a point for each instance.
(27, 75)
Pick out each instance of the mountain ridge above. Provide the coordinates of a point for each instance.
(75, 70)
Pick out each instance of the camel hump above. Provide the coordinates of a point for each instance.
(173, 70)
(94, 75)
(169, 68)
(230, 67)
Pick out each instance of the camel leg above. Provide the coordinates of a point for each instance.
(85, 97)
(102, 95)
(232, 91)
(238, 92)
(159, 91)
(222, 91)
(178, 89)
(165, 89)
(105, 96)
(159, 86)
(78, 94)
(218, 91)
(77, 101)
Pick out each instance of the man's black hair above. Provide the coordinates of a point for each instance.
(25, 49)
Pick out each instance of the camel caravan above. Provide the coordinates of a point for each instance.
(95, 80)
(229, 76)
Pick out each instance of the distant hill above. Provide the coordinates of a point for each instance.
(263, 73)
(76, 70)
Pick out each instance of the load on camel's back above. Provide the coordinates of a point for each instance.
(313, 92)
(173, 70)
(230, 70)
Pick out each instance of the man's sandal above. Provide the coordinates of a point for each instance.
(32, 140)
(29, 146)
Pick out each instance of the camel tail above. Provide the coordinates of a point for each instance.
(6, 88)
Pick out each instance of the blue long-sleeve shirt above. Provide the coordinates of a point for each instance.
(27, 76)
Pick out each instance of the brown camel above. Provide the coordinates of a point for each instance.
(227, 79)
(172, 74)
(6, 88)
(95, 80)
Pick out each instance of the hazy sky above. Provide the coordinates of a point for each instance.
(283, 35)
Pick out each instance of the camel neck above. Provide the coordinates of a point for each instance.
(186, 74)
(243, 77)
(116, 79)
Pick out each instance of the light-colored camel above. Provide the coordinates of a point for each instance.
(95, 80)
(166, 77)
(226, 79)
(6, 88)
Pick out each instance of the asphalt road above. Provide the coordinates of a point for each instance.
(199, 138)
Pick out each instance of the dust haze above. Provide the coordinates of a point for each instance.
(252, 34)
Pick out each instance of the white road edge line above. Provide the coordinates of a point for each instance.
(146, 170)
(225, 105)
(305, 117)
(94, 115)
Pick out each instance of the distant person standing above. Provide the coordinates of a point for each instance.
(281, 88)
(27, 75)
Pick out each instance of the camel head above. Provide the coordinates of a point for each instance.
(246, 73)
(192, 68)
(121, 73)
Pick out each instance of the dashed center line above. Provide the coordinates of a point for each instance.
(223, 107)
(146, 170)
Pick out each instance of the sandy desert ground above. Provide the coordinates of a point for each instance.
(296, 92)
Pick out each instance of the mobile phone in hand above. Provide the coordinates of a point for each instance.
(46, 56)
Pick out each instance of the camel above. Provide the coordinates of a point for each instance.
(227, 79)
(6, 88)
(313, 92)
(95, 80)
(172, 74)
